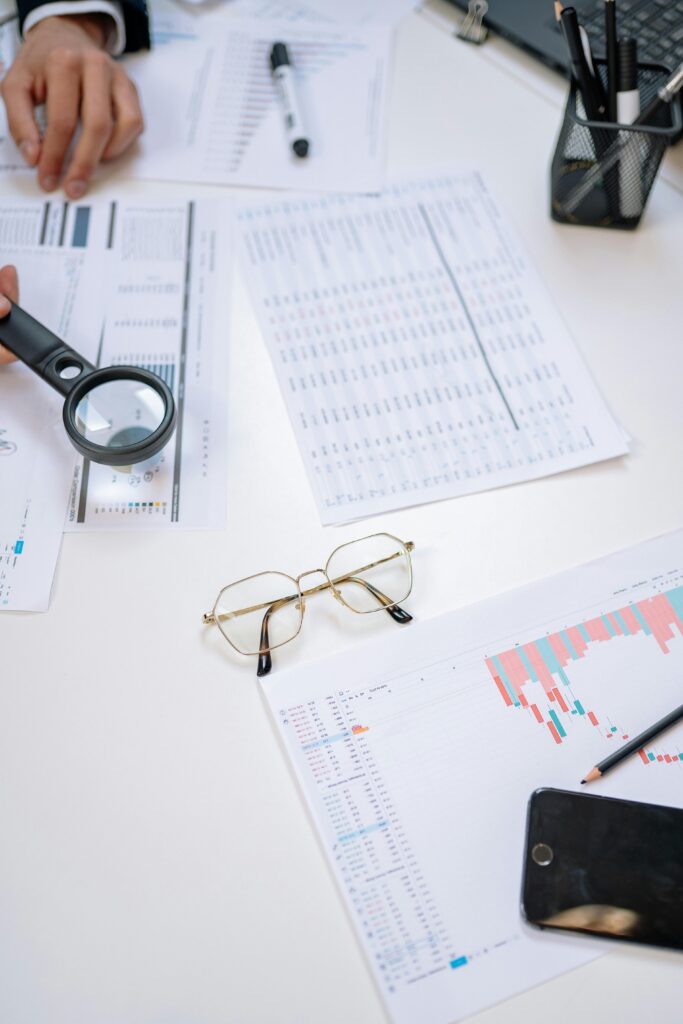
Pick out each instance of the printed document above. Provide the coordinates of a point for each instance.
(213, 115)
(161, 302)
(418, 353)
(417, 754)
(351, 12)
(36, 458)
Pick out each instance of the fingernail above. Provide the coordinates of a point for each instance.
(29, 151)
(49, 183)
(75, 189)
(4, 307)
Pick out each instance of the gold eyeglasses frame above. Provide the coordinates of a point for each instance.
(392, 607)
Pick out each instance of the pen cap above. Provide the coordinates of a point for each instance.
(278, 56)
(628, 65)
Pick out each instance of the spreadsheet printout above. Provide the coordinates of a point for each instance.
(220, 119)
(417, 758)
(162, 303)
(418, 352)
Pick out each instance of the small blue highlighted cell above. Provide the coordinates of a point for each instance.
(651, 756)
(613, 729)
(18, 547)
(460, 962)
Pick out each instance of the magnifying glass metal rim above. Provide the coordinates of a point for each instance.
(74, 377)
(128, 454)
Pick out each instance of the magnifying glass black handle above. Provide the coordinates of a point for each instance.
(43, 351)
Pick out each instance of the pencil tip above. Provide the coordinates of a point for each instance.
(583, 782)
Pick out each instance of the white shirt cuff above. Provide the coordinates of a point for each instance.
(115, 42)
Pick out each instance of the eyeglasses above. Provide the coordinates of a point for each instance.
(265, 611)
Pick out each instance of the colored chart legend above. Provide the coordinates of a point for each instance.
(545, 661)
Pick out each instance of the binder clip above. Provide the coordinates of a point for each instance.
(473, 29)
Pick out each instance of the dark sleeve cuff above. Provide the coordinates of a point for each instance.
(135, 17)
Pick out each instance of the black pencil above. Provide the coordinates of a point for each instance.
(633, 745)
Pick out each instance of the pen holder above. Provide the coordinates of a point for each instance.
(601, 173)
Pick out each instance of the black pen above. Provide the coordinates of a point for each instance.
(633, 745)
(600, 93)
(286, 87)
(579, 65)
(612, 58)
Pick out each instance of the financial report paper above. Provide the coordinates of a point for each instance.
(418, 352)
(212, 113)
(417, 758)
(36, 459)
(161, 299)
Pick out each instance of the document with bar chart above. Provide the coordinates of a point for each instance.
(418, 353)
(36, 459)
(219, 120)
(160, 294)
(417, 758)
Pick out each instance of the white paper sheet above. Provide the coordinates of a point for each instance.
(351, 12)
(212, 114)
(417, 350)
(417, 754)
(36, 459)
(163, 304)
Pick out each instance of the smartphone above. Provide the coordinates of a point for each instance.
(605, 867)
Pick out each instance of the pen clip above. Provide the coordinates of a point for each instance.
(473, 29)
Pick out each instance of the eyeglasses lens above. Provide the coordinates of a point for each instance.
(262, 611)
(370, 573)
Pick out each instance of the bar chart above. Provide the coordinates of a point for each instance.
(547, 661)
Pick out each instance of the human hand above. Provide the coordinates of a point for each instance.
(9, 290)
(62, 64)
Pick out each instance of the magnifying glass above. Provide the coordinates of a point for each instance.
(119, 415)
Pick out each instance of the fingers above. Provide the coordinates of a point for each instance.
(17, 92)
(128, 119)
(97, 122)
(63, 86)
(9, 289)
(109, 108)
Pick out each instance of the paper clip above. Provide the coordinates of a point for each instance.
(473, 29)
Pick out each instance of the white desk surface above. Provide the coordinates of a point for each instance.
(156, 862)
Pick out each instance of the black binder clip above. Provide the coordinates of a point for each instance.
(473, 29)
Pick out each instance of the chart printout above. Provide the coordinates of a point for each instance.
(417, 759)
(418, 353)
(36, 459)
(220, 120)
(162, 304)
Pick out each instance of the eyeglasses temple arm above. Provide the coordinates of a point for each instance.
(265, 660)
(397, 613)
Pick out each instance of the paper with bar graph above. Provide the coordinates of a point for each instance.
(417, 758)
(219, 119)
(417, 350)
(158, 286)
(36, 458)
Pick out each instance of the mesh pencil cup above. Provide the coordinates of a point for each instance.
(602, 173)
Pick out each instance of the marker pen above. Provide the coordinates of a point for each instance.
(286, 88)
(628, 109)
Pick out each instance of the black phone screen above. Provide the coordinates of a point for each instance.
(605, 867)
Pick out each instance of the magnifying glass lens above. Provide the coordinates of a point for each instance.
(119, 413)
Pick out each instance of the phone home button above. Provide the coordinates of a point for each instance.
(542, 854)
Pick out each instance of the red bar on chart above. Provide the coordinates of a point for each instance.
(555, 733)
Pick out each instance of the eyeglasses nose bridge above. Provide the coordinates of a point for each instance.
(309, 572)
